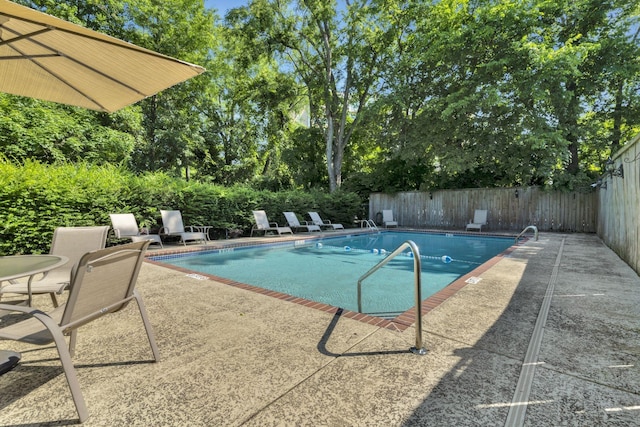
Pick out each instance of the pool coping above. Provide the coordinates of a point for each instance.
(399, 323)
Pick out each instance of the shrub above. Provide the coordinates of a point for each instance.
(36, 198)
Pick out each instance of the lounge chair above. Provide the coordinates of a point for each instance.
(387, 218)
(71, 242)
(315, 217)
(263, 224)
(172, 225)
(103, 283)
(295, 224)
(125, 226)
(479, 219)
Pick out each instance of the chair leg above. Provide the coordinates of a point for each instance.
(147, 326)
(67, 364)
(54, 300)
(73, 337)
(72, 379)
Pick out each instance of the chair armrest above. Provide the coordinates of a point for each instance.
(164, 230)
(273, 224)
(21, 308)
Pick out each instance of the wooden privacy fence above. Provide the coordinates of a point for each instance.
(619, 207)
(510, 209)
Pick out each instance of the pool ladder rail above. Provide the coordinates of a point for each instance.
(369, 223)
(419, 348)
(529, 227)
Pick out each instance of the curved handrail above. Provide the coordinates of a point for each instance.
(529, 227)
(371, 224)
(418, 349)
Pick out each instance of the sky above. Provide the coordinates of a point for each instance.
(223, 5)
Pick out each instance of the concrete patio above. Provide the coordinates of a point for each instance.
(548, 337)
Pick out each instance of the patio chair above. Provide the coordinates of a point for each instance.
(295, 224)
(479, 219)
(315, 217)
(263, 224)
(387, 218)
(172, 225)
(125, 226)
(71, 242)
(103, 283)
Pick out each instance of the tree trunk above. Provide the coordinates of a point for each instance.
(151, 131)
(616, 132)
(333, 184)
(573, 166)
(571, 124)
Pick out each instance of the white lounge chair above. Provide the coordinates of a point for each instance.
(125, 226)
(315, 217)
(172, 225)
(103, 283)
(71, 242)
(263, 224)
(479, 219)
(387, 218)
(295, 224)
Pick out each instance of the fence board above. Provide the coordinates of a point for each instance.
(613, 212)
(619, 206)
(452, 209)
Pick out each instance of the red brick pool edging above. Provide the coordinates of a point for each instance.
(399, 323)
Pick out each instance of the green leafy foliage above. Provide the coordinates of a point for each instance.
(56, 133)
(396, 94)
(35, 198)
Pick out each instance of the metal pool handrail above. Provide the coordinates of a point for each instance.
(418, 349)
(371, 224)
(529, 227)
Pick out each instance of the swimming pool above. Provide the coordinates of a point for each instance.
(327, 270)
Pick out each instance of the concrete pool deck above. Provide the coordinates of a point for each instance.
(548, 337)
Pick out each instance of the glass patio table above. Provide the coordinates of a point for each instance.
(15, 267)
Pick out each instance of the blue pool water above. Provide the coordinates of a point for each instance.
(327, 270)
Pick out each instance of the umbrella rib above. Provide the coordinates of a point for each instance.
(116, 42)
(22, 36)
(33, 58)
(51, 55)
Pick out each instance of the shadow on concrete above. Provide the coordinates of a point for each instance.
(322, 344)
(479, 389)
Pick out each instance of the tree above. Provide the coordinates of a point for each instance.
(337, 56)
(504, 93)
(50, 133)
(247, 113)
(401, 94)
(616, 103)
(586, 66)
(178, 28)
(181, 29)
(455, 113)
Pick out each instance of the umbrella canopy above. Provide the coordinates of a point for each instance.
(51, 59)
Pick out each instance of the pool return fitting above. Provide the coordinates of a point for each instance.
(418, 349)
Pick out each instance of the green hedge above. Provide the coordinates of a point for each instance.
(37, 198)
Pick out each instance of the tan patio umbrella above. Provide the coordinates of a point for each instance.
(51, 59)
